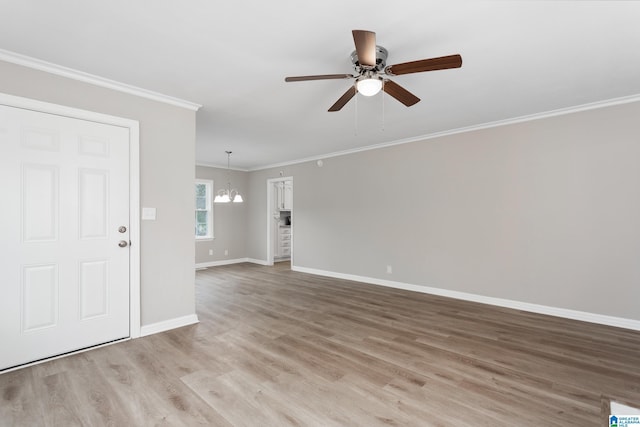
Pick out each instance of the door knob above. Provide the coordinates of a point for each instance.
(123, 243)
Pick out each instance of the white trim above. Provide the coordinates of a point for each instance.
(270, 213)
(134, 230)
(221, 262)
(500, 302)
(270, 218)
(38, 64)
(209, 185)
(616, 408)
(167, 325)
(62, 110)
(134, 186)
(204, 265)
(211, 165)
(497, 123)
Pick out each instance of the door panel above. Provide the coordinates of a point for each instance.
(39, 297)
(39, 203)
(94, 288)
(93, 200)
(64, 184)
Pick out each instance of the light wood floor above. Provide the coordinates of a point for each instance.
(279, 348)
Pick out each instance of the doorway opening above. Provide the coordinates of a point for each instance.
(280, 220)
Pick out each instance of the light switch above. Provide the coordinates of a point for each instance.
(149, 214)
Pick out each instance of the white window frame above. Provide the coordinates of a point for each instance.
(208, 183)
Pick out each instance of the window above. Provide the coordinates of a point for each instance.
(204, 209)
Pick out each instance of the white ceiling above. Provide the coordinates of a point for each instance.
(519, 58)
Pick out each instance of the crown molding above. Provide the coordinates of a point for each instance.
(215, 166)
(37, 64)
(488, 125)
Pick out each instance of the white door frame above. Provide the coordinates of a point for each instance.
(134, 186)
(270, 200)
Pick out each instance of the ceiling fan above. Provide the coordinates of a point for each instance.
(370, 64)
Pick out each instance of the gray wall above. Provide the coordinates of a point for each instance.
(229, 219)
(544, 212)
(167, 153)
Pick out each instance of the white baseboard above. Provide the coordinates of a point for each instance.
(500, 302)
(621, 409)
(166, 325)
(221, 262)
(203, 265)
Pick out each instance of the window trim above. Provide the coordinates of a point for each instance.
(208, 183)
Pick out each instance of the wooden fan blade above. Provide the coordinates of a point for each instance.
(365, 42)
(320, 77)
(441, 63)
(400, 93)
(344, 99)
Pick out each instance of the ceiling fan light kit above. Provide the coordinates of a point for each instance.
(370, 64)
(369, 86)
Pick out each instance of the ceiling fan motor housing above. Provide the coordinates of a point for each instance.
(381, 61)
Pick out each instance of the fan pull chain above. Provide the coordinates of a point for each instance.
(382, 95)
(355, 116)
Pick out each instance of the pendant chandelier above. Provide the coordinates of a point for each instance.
(228, 194)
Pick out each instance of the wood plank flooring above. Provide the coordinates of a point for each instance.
(280, 348)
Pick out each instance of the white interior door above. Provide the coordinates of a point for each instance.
(64, 278)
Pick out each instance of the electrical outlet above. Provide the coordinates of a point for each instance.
(389, 269)
(210, 251)
(226, 251)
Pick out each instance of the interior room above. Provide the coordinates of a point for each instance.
(458, 247)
